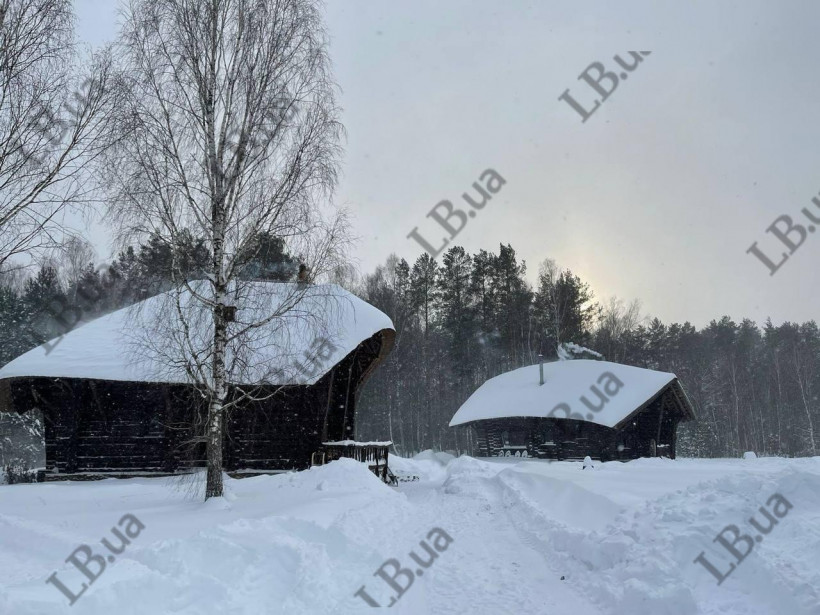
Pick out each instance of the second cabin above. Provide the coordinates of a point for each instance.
(571, 409)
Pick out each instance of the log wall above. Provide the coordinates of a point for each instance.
(572, 439)
(96, 426)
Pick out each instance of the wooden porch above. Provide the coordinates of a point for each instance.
(374, 454)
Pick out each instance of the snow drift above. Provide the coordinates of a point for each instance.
(528, 537)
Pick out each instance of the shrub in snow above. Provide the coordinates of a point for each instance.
(588, 463)
(17, 474)
(22, 441)
(749, 455)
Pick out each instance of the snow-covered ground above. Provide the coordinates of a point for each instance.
(527, 537)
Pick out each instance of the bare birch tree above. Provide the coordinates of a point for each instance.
(74, 258)
(53, 116)
(233, 131)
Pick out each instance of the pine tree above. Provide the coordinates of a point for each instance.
(50, 310)
(15, 322)
(265, 258)
(512, 298)
(458, 328)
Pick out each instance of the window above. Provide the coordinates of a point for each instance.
(514, 437)
(548, 433)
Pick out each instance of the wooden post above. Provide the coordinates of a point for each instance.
(672, 449)
(660, 422)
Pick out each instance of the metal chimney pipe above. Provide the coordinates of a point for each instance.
(541, 369)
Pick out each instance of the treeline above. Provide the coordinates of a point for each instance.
(467, 319)
(71, 289)
(472, 317)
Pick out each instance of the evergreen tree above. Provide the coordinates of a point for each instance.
(457, 310)
(423, 288)
(15, 321)
(265, 258)
(512, 297)
(50, 310)
(564, 309)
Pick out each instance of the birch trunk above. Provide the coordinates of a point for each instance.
(213, 487)
(804, 396)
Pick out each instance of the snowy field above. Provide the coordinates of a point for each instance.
(527, 537)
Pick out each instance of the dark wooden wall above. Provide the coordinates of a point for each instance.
(124, 427)
(283, 433)
(571, 439)
(106, 426)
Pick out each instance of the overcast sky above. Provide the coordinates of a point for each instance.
(656, 196)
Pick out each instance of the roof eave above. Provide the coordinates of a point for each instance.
(675, 387)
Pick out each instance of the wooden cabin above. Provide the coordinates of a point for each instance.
(571, 409)
(112, 408)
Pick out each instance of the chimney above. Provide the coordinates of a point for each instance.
(541, 369)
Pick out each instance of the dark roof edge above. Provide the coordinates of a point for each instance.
(388, 340)
(680, 396)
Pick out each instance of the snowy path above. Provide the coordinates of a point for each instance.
(492, 566)
(623, 536)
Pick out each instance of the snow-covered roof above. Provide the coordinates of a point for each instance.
(317, 327)
(569, 391)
